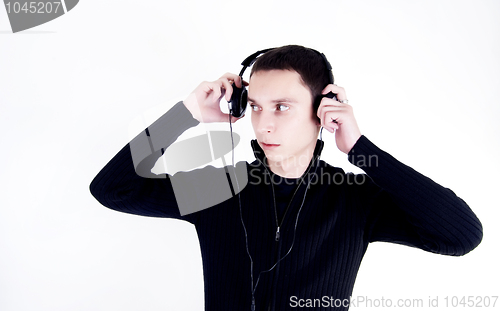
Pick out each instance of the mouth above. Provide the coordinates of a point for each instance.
(269, 146)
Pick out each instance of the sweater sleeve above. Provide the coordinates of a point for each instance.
(409, 208)
(127, 184)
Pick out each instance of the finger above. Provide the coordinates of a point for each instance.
(228, 88)
(238, 81)
(332, 88)
(327, 104)
(332, 128)
(232, 77)
(321, 115)
(331, 116)
(338, 90)
(224, 117)
(331, 123)
(234, 119)
(223, 92)
(216, 91)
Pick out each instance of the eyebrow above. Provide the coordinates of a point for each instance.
(279, 100)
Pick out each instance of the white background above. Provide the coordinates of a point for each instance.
(422, 76)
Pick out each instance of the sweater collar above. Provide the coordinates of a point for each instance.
(260, 155)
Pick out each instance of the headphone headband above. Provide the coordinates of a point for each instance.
(247, 62)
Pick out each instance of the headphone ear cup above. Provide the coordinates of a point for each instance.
(238, 101)
(243, 101)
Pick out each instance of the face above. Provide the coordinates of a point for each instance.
(282, 116)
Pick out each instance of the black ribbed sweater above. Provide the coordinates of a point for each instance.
(340, 216)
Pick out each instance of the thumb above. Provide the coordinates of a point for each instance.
(233, 119)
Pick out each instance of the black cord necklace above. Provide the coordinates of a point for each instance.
(254, 288)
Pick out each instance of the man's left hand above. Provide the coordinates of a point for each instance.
(338, 116)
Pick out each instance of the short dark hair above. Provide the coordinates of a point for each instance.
(308, 63)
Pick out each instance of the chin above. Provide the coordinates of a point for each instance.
(275, 157)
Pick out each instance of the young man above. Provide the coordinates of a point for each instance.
(298, 228)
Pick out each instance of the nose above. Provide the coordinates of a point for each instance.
(266, 122)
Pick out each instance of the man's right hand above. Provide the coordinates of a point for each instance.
(204, 101)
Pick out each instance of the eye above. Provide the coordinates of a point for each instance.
(282, 107)
(254, 108)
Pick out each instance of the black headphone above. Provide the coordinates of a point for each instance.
(239, 97)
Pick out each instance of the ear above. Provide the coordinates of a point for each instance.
(317, 121)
